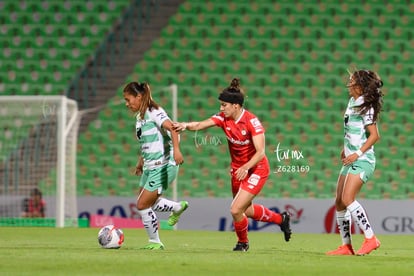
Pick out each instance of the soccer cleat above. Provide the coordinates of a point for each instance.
(285, 226)
(154, 246)
(368, 246)
(175, 216)
(345, 249)
(241, 246)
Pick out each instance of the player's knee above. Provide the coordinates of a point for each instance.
(347, 200)
(339, 203)
(236, 212)
(141, 206)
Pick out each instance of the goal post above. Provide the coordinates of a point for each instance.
(67, 133)
(38, 151)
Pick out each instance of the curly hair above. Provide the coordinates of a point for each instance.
(370, 84)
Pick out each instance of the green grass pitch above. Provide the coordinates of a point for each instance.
(50, 251)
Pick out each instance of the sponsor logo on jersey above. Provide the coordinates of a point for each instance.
(256, 124)
(162, 115)
(238, 142)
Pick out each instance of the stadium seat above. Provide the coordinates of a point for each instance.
(26, 26)
(294, 75)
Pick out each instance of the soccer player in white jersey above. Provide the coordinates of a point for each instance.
(159, 160)
(358, 159)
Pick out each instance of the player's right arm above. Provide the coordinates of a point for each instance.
(139, 166)
(193, 125)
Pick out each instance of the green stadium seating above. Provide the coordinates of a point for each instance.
(292, 58)
(40, 32)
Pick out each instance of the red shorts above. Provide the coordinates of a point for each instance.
(253, 182)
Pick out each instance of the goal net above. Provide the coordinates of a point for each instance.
(38, 161)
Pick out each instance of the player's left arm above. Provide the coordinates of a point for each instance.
(259, 145)
(175, 138)
(372, 138)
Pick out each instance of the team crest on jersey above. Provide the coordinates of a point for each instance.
(139, 133)
(243, 132)
(138, 127)
(346, 119)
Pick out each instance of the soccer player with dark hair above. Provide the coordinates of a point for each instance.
(249, 165)
(159, 160)
(35, 206)
(358, 159)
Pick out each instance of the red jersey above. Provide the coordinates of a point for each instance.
(239, 136)
(37, 208)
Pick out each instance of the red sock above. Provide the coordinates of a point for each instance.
(241, 228)
(261, 213)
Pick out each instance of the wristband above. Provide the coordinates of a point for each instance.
(185, 126)
(359, 152)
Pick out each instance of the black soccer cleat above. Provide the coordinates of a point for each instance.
(285, 226)
(241, 246)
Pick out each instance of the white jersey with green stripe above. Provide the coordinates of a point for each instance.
(155, 141)
(355, 133)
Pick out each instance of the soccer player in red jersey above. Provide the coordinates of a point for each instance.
(249, 164)
(35, 206)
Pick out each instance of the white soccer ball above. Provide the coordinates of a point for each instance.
(110, 237)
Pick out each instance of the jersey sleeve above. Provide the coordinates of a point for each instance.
(218, 119)
(368, 117)
(255, 126)
(159, 116)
